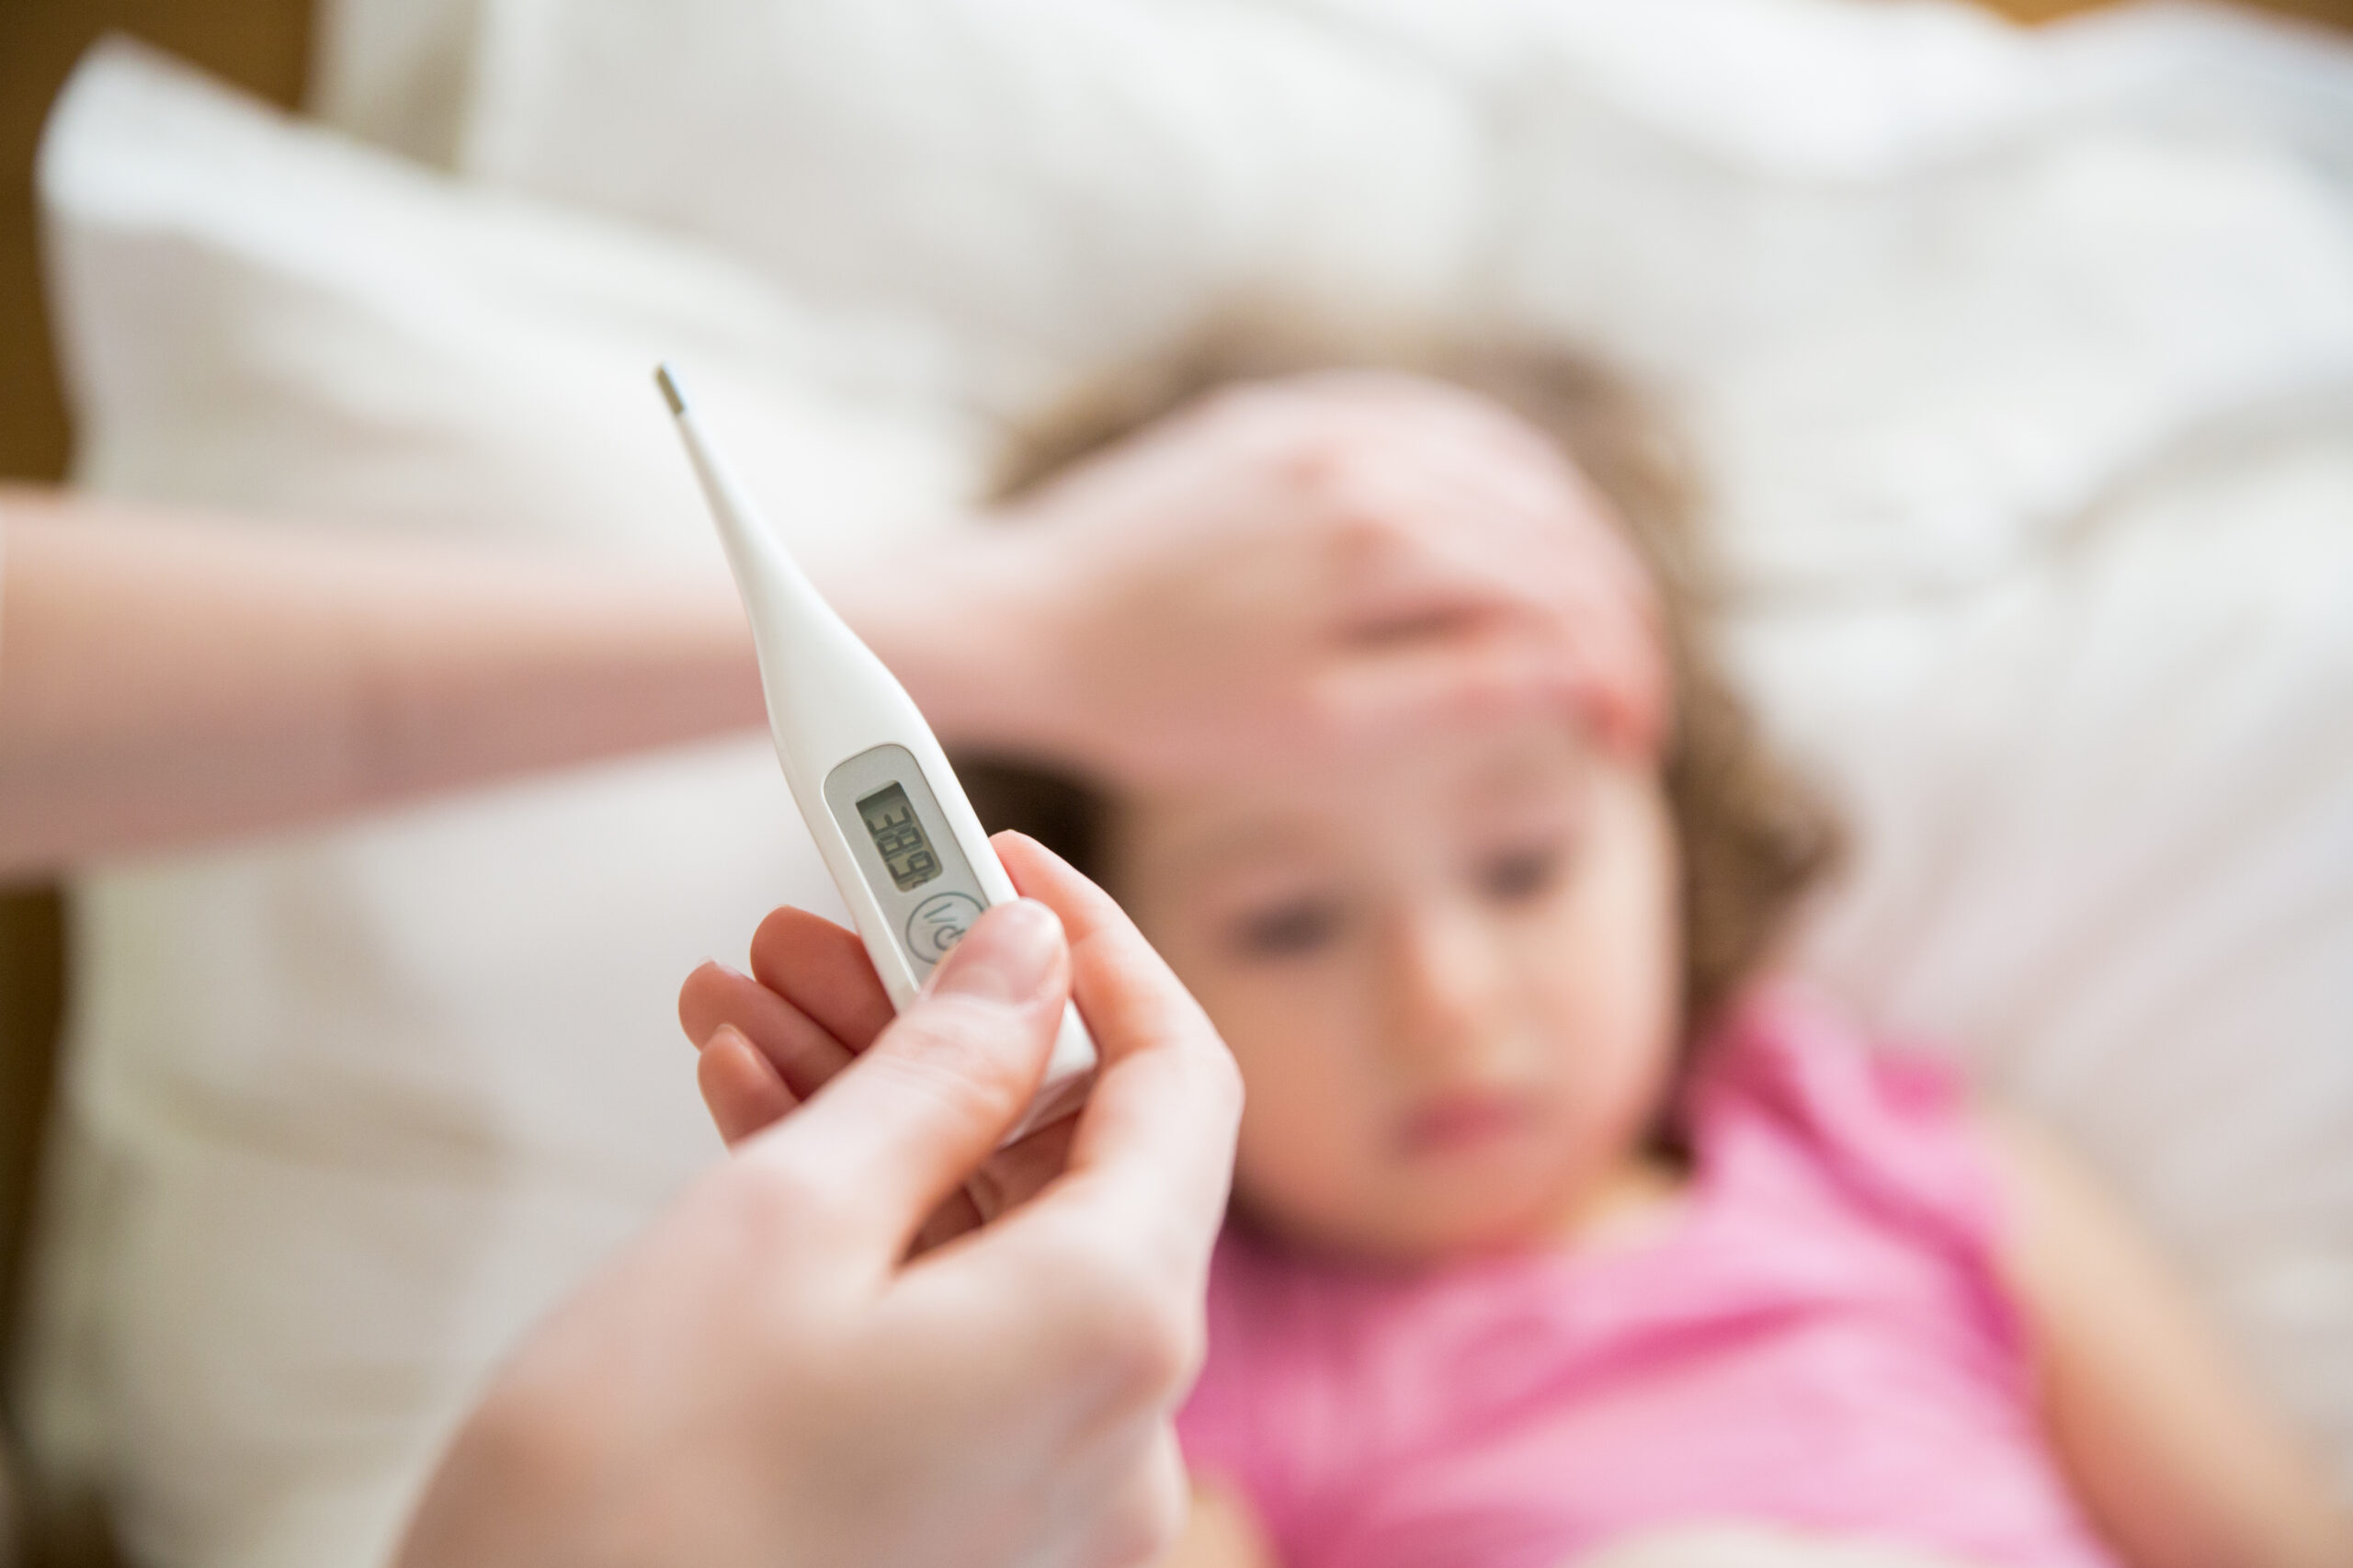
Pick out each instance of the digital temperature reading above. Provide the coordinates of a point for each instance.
(898, 838)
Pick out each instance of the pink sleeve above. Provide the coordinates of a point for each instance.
(1893, 1130)
(1215, 1425)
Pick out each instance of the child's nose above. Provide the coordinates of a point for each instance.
(1446, 1002)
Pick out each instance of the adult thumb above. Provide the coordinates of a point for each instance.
(901, 1128)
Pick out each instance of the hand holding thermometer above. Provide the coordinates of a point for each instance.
(900, 839)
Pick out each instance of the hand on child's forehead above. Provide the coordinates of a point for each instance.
(1330, 417)
(1341, 558)
(1414, 483)
(1488, 500)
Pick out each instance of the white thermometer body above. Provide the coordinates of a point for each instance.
(903, 845)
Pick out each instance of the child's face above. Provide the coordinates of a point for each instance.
(1450, 980)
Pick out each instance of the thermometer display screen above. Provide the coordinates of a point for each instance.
(899, 837)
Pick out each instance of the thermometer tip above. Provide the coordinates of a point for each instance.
(668, 382)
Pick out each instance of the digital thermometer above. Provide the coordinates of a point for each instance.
(900, 839)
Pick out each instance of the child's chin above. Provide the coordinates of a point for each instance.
(1485, 1207)
(1452, 1228)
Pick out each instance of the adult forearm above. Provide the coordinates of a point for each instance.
(162, 682)
(978, 634)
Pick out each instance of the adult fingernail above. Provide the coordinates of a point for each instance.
(1008, 956)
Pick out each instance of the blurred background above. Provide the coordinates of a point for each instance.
(271, 50)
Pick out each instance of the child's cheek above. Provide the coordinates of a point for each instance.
(1610, 965)
(1311, 1122)
(1294, 1164)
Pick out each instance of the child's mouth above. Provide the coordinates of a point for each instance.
(1463, 1123)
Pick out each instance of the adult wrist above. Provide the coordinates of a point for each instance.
(532, 1477)
(981, 640)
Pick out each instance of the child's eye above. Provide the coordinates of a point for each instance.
(1520, 875)
(1286, 930)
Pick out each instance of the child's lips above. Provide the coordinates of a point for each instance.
(1464, 1123)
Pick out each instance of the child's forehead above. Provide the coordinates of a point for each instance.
(1444, 784)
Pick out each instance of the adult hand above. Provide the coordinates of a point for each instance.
(812, 1002)
(767, 1378)
(1316, 561)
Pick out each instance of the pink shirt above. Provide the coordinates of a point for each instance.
(1818, 1339)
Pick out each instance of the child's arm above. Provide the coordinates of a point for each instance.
(1221, 1533)
(2166, 1445)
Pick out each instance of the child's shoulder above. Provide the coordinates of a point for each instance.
(1791, 1097)
(1839, 1234)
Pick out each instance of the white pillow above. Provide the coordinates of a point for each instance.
(1056, 181)
(2104, 825)
(1924, 285)
(348, 1107)
(1921, 279)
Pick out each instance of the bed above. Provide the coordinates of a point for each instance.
(2020, 366)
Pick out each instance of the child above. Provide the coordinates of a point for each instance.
(1557, 1224)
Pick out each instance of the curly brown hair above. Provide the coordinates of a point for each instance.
(1754, 837)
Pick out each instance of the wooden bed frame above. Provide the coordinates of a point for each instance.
(263, 45)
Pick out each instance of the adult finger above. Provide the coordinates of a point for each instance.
(1153, 1151)
(822, 969)
(1387, 574)
(1015, 1173)
(740, 1087)
(804, 1052)
(1484, 675)
(902, 1127)
(1006, 1178)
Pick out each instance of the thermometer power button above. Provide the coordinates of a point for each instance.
(940, 923)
